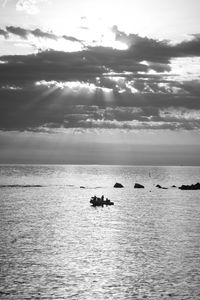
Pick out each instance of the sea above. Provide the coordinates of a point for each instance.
(55, 245)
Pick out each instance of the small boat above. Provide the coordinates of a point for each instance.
(96, 201)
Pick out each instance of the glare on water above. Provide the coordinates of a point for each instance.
(54, 245)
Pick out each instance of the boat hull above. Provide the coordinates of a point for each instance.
(100, 202)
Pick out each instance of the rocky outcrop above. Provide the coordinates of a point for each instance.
(190, 187)
(118, 185)
(138, 186)
(161, 187)
(158, 186)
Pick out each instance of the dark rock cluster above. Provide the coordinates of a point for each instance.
(183, 187)
(190, 187)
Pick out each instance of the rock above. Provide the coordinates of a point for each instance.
(138, 186)
(174, 186)
(118, 185)
(161, 187)
(190, 187)
(82, 187)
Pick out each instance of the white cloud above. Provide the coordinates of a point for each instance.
(29, 6)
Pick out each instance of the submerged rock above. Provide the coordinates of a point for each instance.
(138, 186)
(118, 185)
(190, 187)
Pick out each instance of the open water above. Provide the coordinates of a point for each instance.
(54, 245)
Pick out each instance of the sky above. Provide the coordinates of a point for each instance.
(100, 82)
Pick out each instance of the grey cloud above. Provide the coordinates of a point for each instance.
(138, 126)
(189, 48)
(17, 31)
(192, 87)
(159, 67)
(84, 65)
(72, 39)
(156, 53)
(23, 33)
(155, 50)
(87, 66)
(3, 33)
(39, 33)
(33, 106)
(149, 49)
(36, 106)
(49, 65)
(121, 114)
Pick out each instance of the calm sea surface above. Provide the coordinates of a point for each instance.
(54, 245)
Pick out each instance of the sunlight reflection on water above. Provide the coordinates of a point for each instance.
(55, 246)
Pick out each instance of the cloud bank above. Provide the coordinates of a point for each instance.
(99, 87)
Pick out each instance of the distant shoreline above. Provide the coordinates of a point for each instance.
(95, 164)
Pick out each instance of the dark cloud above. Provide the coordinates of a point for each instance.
(35, 107)
(106, 64)
(191, 87)
(49, 65)
(4, 33)
(84, 65)
(23, 33)
(188, 48)
(155, 50)
(17, 31)
(39, 33)
(98, 87)
(72, 39)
